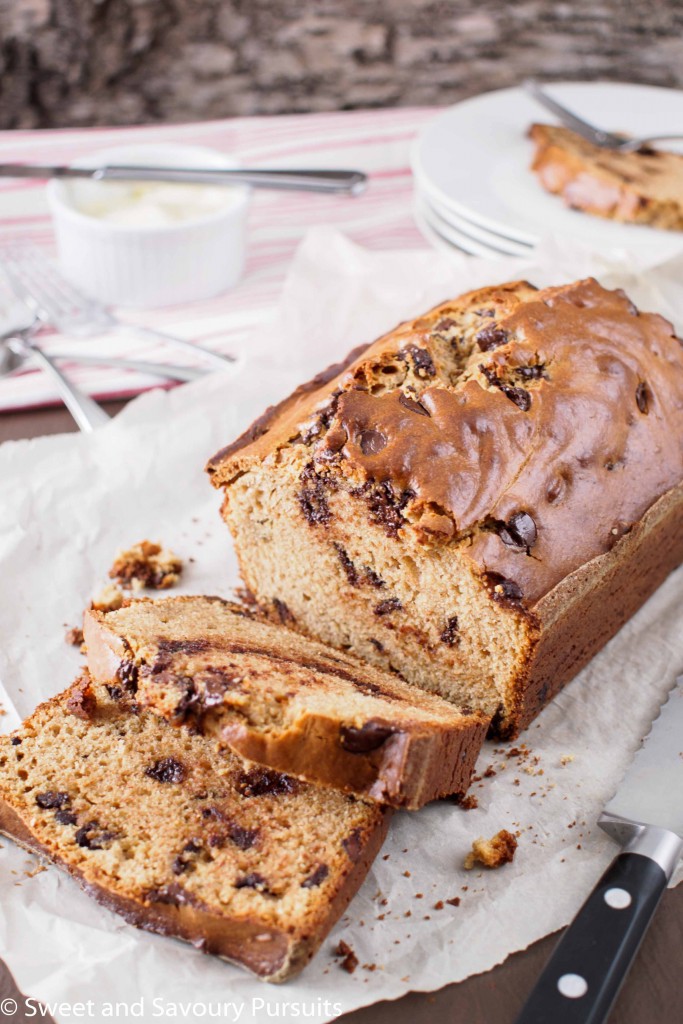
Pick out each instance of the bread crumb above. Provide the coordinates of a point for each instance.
(455, 902)
(566, 759)
(32, 872)
(74, 636)
(349, 960)
(81, 701)
(110, 599)
(492, 853)
(146, 564)
(469, 803)
(439, 905)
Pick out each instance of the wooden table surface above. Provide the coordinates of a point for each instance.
(652, 993)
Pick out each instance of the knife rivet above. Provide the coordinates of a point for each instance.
(573, 986)
(618, 899)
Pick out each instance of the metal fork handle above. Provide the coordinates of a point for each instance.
(572, 120)
(168, 370)
(86, 412)
(218, 360)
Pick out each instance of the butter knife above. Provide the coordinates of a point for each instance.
(584, 974)
(337, 181)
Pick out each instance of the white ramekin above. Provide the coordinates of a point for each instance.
(123, 265)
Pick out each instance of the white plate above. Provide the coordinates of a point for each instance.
(430, 235)
(447, 238)
(459, 237)
(490, 238)
(474, 160)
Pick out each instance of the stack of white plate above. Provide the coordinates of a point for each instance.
(475, 192)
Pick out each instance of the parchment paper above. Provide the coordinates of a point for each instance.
(67, 503)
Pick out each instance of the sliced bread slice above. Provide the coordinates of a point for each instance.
(242, 862)
(644, 187)
(283, 700)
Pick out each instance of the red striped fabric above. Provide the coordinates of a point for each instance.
(377, 142)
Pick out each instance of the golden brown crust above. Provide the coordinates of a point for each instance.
(591, 605)
(262, 425)
(476, 457)
(408, 769)
(644, 187)
(281, 423)
(397, 754)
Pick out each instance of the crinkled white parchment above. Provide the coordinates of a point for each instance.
(67, 503)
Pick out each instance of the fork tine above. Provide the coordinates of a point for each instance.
(15, 278)
(40, 265)
(39, 278)
(43, 289)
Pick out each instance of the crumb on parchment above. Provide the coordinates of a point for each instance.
(349, 960)
(110, 599)
(492, 853)
(146, 564)
(74, 636)
(468, 803)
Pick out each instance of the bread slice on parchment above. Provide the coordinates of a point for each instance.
(644, 187)
(242, 862)
(283, 700)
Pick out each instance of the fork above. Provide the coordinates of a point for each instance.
(606, 140)
(55, 301)
(86, 412)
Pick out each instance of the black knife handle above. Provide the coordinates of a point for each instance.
(584, 974)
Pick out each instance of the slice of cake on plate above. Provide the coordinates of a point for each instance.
(642, 187)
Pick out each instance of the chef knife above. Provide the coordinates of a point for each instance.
(584, 974)
(337, 181)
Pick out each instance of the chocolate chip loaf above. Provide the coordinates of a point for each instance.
(240, 861)
(478, 500)
(644, 187)
(284, 701)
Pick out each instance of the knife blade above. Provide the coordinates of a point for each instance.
(645, 816)
(331, 181)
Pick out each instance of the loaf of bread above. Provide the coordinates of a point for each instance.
(240, 861)
(479, 499)
(643, 187)
(283, 700)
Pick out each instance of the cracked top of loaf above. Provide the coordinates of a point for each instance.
(532, 428)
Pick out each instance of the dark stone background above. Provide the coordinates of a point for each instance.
(83, 62)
